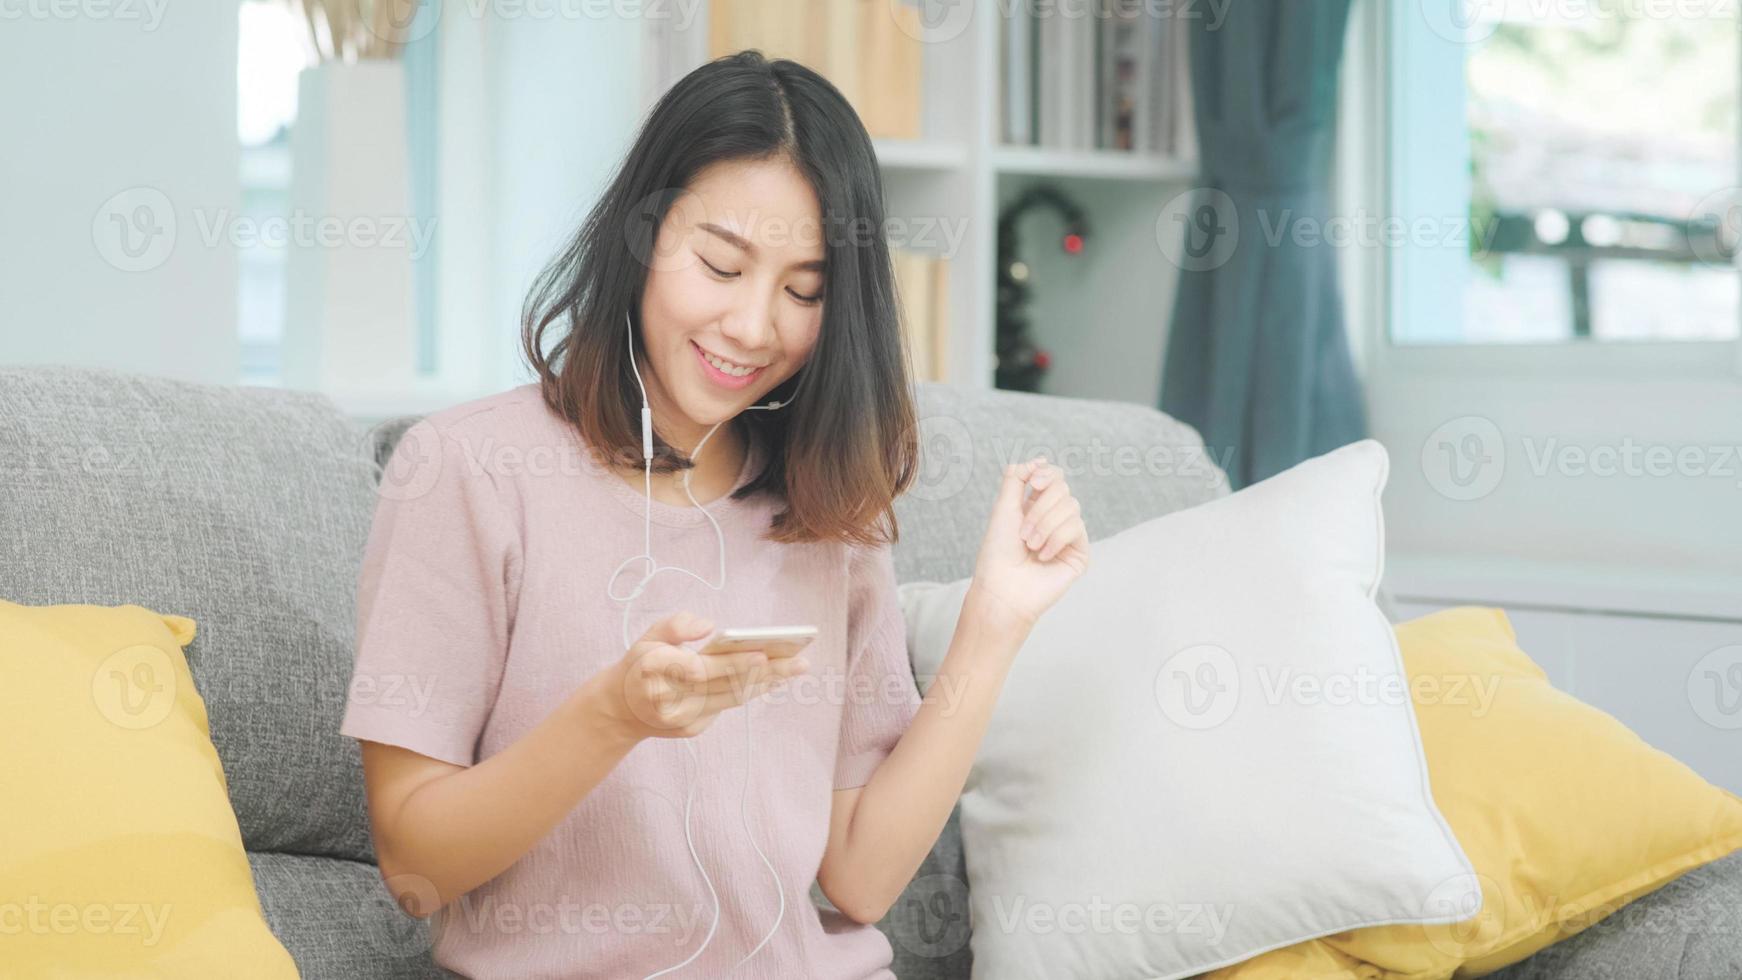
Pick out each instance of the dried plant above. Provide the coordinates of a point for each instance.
(356, 30)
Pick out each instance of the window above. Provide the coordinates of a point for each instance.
(1582, 155)
(274, 46)
(270, 55)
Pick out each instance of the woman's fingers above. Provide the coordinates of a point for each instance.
(1067, 534)
(712, 673)
(717, 665)
(1053, 491)
(776, 670)
(1057, 517)
(697, 702)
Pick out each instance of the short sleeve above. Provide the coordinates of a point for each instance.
(881, 698)
(433, 601)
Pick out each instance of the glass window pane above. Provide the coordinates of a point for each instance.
(1600, 133)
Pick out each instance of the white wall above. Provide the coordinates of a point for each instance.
(567, 98)
(139, 102)
(1547, 501)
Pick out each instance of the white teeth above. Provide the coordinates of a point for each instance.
(727, 367)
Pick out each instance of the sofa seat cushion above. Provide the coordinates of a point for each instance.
(338, 920)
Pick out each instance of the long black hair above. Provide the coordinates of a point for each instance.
(848, 446)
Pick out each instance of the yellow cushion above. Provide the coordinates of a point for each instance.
(1565, 813)
(119, 854)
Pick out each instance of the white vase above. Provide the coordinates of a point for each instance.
(349, 327)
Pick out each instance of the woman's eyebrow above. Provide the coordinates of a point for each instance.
(812, 265)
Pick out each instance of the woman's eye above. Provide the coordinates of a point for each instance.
(723, 274)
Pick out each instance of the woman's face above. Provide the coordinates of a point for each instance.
(737, 276)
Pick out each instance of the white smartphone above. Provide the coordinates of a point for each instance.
(775, 641)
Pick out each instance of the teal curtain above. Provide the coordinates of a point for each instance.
(1257, 359)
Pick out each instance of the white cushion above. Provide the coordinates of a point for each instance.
(1206, 749)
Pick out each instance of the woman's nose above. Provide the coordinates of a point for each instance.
(751, 325)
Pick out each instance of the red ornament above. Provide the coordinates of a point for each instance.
(1042, 359)
(1073, 243)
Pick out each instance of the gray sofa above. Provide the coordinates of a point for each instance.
(247, 509)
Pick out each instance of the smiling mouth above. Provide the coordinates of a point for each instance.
(729, 368)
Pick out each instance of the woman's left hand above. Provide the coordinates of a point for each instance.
(1034, 548)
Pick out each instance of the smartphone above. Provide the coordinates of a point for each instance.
(775, 641)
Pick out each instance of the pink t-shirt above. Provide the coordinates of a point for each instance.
(482, 604)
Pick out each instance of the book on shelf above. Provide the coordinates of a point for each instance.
(1017, 91)
(1113, 79)
(922, 295)
(869, 49)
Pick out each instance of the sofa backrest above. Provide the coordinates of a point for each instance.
(1126, 463)
(244, 508)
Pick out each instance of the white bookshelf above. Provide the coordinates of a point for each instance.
(1102, 314)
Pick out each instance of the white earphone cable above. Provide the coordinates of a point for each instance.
(654, 568)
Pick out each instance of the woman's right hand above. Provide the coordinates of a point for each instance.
(663, 690)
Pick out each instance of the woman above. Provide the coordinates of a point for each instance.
(549, 750)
